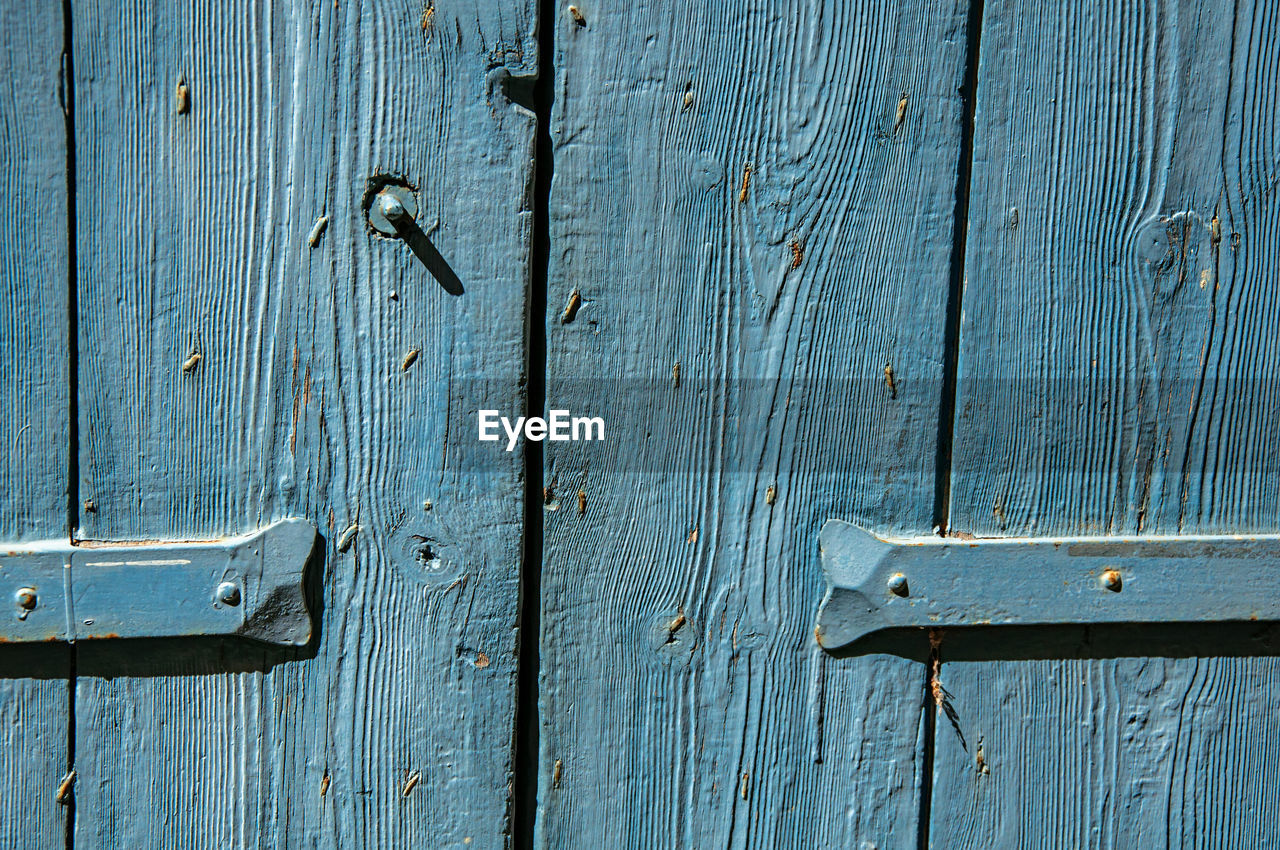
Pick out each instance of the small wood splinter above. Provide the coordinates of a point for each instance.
(317, 231)
(571, 308)
(411, 783)
(68, 782)
(344, 542)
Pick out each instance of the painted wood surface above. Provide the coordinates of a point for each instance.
(751, 224)
(34, 432)
(240, 363)
(1117, 375)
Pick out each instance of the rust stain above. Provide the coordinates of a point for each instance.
(935, 668)
(797, 253)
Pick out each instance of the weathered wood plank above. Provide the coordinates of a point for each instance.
(751, 220)
(34, 430)
(1118, 359)
(196, 215)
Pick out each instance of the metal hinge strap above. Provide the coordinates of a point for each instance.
(879, 583)
(250, 586)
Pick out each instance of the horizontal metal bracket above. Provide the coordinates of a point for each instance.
(878, 583)
(250, 586)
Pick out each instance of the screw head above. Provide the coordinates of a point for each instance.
(228, 593)
(26, 598)
(898, 584)
(1112, 581)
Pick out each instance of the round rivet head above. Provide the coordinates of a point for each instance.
(25, 598)
(228, 593)
(898, 584)
(1111, 581)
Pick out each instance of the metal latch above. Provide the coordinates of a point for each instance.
(876, 584)
(250, 586)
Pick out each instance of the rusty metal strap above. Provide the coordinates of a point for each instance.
(876, 584)
(250, 586)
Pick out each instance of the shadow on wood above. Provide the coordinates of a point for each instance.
(1024, 643)
(427, 254)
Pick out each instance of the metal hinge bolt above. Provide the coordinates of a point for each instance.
(25, 597)
(229, 593)
(393, 211)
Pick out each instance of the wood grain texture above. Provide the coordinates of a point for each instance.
(35, 427)
(1117, 375)
(196, 216)
(750, 244)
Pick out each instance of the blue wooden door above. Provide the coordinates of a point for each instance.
(965, 267)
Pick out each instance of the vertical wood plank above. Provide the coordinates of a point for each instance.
(751, 223)
(1117, 375)
(198, 214)
(34, 430)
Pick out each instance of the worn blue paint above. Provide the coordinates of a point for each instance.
(1117, 368)
(751, 225)
(198, 237)
(34, 425)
